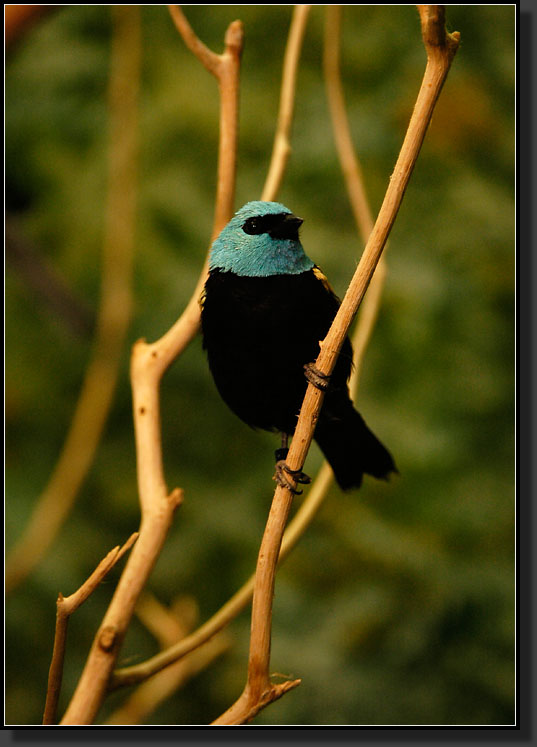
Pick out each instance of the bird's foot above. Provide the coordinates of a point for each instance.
(283, 470)
(316, 377)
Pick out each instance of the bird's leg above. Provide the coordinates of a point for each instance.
(282, 469)
(316, 377)
(281, 453)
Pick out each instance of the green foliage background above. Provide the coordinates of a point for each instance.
(398, 605)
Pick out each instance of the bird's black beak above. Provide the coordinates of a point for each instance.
(287, 227)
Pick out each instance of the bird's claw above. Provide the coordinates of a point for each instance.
(316, 377)
(280, 475)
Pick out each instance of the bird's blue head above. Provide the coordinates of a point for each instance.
(260, 240)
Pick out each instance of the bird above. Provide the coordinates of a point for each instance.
(265, 307)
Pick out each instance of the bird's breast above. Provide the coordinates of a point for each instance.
(259, 332)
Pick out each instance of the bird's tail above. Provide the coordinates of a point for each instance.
(351, 448)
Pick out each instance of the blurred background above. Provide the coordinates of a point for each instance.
(398, 605)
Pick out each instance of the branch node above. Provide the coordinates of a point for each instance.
(107, 638)
(139, 346)
(278, 690)
(176, 497)
(234, 38)
(433, 30)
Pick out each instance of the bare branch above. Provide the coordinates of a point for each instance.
(209, 59)
(65, 606)
(354, 181)
(237, 603)
(435, 73)
(258, 688)
(168, 626)
(340, 124)
(148, 364)
(282, 146)
(227, 70)
(433, 29)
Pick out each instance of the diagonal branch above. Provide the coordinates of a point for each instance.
(259, 690)
(209, 59)
(439, 58)
(148, 364)
(168, 626)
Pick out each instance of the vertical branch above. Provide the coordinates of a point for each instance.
(148, 364)
(114, 314)
(259, 690)
(350, 166)
(282, 146)
(226, 69)
(65, 607)
(228, 82)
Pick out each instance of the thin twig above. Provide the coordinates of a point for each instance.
(282, 146)
(65, 607)
(340, 124)
(354, 181)
(259, 690)
(148, 364)
(96, 395)
(227, 77)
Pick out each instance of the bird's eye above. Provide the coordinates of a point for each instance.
(252, 226)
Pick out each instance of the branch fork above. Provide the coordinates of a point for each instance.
(65, 607)
(148, 364)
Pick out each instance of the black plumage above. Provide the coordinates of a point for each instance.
(259, 332)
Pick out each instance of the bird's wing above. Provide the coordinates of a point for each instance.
(344, 364)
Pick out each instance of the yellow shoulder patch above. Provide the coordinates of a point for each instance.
(201, 299)
(322, 277)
